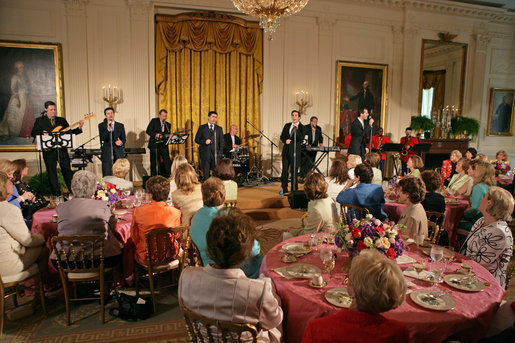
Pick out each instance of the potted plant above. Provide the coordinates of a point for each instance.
(420, 123)
(464, 125)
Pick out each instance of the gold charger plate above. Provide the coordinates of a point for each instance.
(464, 282)
(440, 303)
(288, 258)
(338, 297)
(295, 248)
(302, 270)
(311, 284)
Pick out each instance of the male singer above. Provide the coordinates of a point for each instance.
(231, 141)
(44, 126)
(210, 138)
(314, 133)
(360, 132)
(377, 143)
(292, 136)
(112, 138)
(407, 143)
(159, 131)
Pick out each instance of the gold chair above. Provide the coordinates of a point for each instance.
(193, 259)
(435, 222)
(230, 203)
(166, 251)
(80, 259)
(9, 286)
(349, 212)
(199, 327)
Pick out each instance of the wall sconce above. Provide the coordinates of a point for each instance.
(111, 95)
(302, 99)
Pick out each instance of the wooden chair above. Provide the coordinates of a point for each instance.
(435, 222)
(193, 259)
(349, 212)
(9, 286)
(230, 203)
(203, 329)
(166, 251)
(80, 259)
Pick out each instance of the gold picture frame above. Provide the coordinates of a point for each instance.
(350, 77)
(30, 74)
(501, 114)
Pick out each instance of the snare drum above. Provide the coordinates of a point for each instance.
(242, 152)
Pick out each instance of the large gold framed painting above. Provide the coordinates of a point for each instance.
(359, 85)
(30, 74)
(501, 121)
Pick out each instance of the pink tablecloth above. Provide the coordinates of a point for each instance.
(453, 214)
(42, 222)
(469, 319)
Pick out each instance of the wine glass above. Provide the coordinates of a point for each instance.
(449, 256)
(436, 273)
(139, 194)
(327, 257)
(419, 267)
(419, 239)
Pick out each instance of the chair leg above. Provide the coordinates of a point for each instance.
(151, 282)
(2, 303)
(42, 294)
(102, 293)
(66, 300)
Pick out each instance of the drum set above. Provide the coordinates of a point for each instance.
(241, 161)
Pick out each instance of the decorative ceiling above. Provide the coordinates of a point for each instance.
(506, 4)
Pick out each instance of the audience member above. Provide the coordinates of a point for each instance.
(352, 162)
(224, 170)
(376, 285)
(412, 192)
(470, 153)
(481, 157)
(338, 179)
(365, 194)
(460, 183)
(433, 202)
(177, 161)
(187, 197)
(8, 168)
(120, 170)
(449, 167)
(156, 215)
(373, 159)
(28, 207)
(490, 241)
(229, 243)
(501, 163)
(415, 164)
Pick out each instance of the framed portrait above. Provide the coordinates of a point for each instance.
(359, 85)
(30, 74)
(500, 114)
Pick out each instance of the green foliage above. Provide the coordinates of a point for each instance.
(41, 186)
(421, 123)
(464, 125)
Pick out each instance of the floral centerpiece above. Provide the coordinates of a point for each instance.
(107, 192)
(501, 167)
(371, 233)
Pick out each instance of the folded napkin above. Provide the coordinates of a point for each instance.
(413, 273)
(302, 271)
(403, 259)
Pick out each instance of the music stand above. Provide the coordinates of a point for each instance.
(177, 139)
(55, 141)
(392, 147)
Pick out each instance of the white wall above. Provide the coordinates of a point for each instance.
(113, 42)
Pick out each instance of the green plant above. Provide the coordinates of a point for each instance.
(464, 125)
(40, 185)
(421, 123)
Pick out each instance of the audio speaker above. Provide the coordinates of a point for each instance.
(298, 200)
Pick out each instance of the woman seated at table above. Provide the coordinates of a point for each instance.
(156, 215)
(352, 162)
(501, 163)
(490, 241)
(213, 197)
(449, 167)
(376, 285)
(338, 179)
(483, 174)
(460, 185)
(20, 249)
(120, 170)
(322, 215)
(470, 153)
(28, 207)
(8, 168)
(365, 194)
(415, 163)
(221, 291)
(412, 192)
(433, 202)
(373, 159)
(83, 215)
(188, 196)
(177, 161)
(224, 170)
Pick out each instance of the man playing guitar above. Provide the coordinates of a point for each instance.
(407, 143)
(377, 145)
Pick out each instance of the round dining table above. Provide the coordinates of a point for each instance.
(453, 214)
(301, 303)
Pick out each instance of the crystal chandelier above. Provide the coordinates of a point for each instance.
(269, 11)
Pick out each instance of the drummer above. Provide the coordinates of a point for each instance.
(231, 141)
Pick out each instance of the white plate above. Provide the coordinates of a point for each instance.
(120, 212)
(338, 297)
(440, 303)
(295, 248)
(464, 282)
(302, 270)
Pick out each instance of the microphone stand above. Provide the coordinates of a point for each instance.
(272, 144)
(82, 149)
(334, 142)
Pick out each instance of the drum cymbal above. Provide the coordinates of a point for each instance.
(253, 136)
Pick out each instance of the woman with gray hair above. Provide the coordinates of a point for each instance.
(83, 215)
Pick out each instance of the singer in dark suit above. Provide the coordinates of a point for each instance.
(231, 141)
(360, 132)
(210, 138)
(314, 138)
(44, 125)
(159, 131)
(292, 136)
(112, 138)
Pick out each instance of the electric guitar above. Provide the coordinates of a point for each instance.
(59, 128)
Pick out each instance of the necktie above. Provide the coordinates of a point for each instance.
(52, 120)
(314, 134)
(162, 126)
(211, 127)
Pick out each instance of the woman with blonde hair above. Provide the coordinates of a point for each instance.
(352, 162)
(188, 196)
(490, 241)
(120, 170)
(8, 168)
(415, 163)
(460, 185)
(177, 161)
(449, 167)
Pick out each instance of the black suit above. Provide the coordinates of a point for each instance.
(296, 135)
(359, 139)
(314, 139)
(51, 156)
(228, 144)
(365, 100)
(159, 150)
(212, 152)
(108, 147)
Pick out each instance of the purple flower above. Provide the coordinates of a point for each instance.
(113, 198)
(338, 241)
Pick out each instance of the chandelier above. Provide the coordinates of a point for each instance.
(269, 11)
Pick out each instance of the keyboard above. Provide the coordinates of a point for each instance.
(323, 148)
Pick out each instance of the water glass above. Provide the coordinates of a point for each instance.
(419, 239)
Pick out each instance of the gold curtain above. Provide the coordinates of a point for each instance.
(436, 80)
(208, 61)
